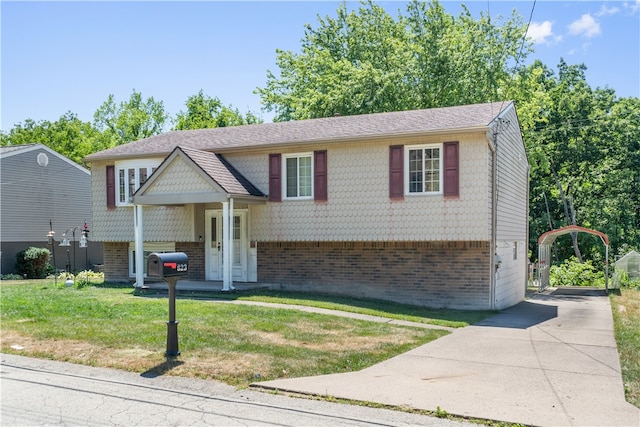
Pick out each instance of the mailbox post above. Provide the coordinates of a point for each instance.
(169, 267)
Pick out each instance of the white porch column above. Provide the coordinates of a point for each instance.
(230, 241)
(226, 279)
(139, 245)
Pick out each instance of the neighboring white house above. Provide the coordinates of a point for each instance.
(425, 207)
(41, 189)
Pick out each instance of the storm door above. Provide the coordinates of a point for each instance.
(214, 249)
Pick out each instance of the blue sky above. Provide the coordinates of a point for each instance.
(69, 56)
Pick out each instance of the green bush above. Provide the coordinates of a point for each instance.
(10, 276)
(574, 273)
(33, 262)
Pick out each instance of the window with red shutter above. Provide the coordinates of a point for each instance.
(320, 176)
(111, 187)
(396, 171)
(275, 180)
(451, 169)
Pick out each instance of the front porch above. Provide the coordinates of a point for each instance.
(203, 286)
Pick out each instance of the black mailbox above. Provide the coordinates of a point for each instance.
(168, 264)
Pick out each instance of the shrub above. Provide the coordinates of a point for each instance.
(10, 276)
(574, 273)
(33, 262)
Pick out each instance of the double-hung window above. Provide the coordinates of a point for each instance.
(129, 176)
(298, 172)
(423, 169)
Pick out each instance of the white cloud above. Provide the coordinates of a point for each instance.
(586, 26)
(604, 10)
(633, 6)
(540, 32)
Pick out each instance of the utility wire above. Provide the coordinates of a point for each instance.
(519, 56)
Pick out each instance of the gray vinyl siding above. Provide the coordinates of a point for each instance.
(33, 194)
(512, 181)
(512, 215)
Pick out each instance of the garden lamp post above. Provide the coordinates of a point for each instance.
(84, 243)
(65, 242)
(50, 238)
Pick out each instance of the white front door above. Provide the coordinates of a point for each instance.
(214, 247)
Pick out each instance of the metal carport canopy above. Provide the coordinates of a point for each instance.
(550, 236)
(546, 240)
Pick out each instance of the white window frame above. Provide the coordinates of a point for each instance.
(148, 248)
(407, 173)
(297, 156)
(122, 168)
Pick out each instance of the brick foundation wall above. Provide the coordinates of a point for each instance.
(195, 253)
(432, 274)
(116, 262)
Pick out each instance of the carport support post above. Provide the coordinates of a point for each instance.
(606, 268)
(172, 325)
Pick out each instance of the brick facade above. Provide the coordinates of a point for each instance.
(430, 274)
(195, 253)
(434, 274)
(116, 261)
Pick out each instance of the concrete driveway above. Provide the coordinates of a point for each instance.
(548, 361)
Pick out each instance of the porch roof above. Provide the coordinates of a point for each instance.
(208, 178)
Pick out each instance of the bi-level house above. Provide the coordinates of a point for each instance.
(426, 207)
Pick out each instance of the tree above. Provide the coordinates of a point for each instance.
(206, 112)
(366, 61)
(584, 154)
(130, 120)
(68, 136)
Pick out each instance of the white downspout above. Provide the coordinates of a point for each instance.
(493, 142)
(139, 245)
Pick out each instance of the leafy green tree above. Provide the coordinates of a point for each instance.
(130, 120)
(68, 136)
(367, 61)
(584, 154)
(206, 112)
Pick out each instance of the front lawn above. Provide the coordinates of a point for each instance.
(237, 344)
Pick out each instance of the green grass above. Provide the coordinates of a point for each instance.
(625, 305)
(390, 310)
(110, 326)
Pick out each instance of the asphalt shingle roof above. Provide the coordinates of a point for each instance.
(329, 129)
(222, 172)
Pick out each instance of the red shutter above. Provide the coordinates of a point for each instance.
(111, 187)
(451, 169)
(396, 171)
(320, 176)
(275, 180)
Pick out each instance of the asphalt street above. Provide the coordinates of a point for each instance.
(43, 393)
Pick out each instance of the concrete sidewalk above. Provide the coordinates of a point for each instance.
(549, 361)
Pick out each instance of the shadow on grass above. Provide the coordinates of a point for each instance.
(114, 285)
(162, 368)
(330, 301)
